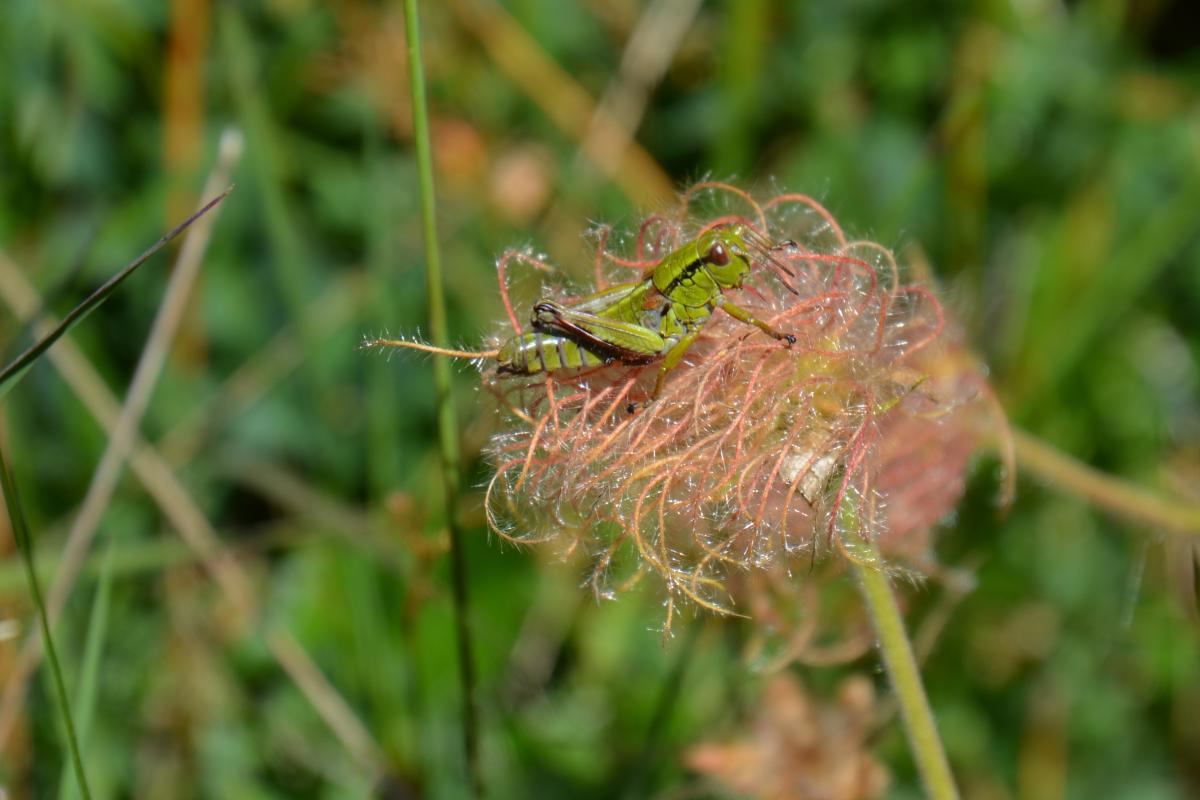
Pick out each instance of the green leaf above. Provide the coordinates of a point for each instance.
(25, 544)
(89, 682)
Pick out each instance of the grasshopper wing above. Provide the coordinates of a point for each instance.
(624, 340)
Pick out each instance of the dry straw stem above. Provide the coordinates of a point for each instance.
(145, 377)
(563, 100)
(17, 367)
(333, 709)
(652, 45)
(154, 472)
(151, 469)
(122, 428)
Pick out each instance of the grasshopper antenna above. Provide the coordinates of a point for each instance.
(767, 248)
(428, 348)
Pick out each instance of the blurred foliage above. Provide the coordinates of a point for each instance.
(1044, 155)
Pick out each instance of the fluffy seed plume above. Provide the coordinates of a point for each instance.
(756, 450)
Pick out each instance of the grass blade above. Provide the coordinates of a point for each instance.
(447, 428)
(25, 544)
(24, 361)
(89, 682)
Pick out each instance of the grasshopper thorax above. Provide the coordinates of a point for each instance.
(716, 260)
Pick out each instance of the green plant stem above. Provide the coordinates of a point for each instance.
(89, 681)
(447, 428)
(1123, 498)
(905, 677)
(25, 545)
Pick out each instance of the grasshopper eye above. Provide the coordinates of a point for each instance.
(717, 255)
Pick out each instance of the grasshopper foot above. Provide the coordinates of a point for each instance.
(635, 406)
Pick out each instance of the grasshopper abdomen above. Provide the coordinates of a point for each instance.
(535, 352)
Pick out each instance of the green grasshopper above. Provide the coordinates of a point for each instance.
(639, 322)
(656, 318)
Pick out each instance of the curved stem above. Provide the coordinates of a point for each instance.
(1103, 491)
(902, 669)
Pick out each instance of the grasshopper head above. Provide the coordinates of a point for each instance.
(727, 252)
(726, 255)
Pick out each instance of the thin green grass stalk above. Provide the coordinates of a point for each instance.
(17, 367)
(904, 674)
(59, 286)
(89, 682)
(20, 531)
(447, 428)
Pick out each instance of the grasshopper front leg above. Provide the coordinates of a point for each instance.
(680, 348)
(672, 359)
(742, 315)
(674, 355)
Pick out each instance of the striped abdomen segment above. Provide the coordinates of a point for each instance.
(536, 352)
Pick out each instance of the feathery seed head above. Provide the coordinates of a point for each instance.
(755, 450)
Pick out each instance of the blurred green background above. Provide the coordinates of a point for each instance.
(1044, 155)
